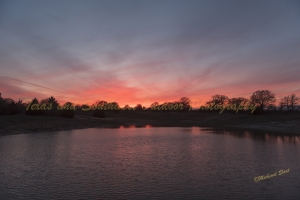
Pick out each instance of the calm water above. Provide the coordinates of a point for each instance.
(148, 163)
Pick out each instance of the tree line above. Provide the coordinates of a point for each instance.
(264, 100)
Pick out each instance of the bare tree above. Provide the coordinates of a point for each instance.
(218, 99)
(281, 106)
(290, 102)
(263, 98)
(238, 100)
(294, 101)
(285, 103)
(271, 107)
(186, 102)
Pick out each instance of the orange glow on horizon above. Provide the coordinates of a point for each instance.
(128, 95)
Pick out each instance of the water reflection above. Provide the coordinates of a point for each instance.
(138, 163)
(135, 126)
(258, 135)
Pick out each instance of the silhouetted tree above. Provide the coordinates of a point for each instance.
(101, 103)
(290, 102)
(21, 106)
(185, 101)
(116, 107)
(271, 107)
(13, 109)
(138, 107)
(153, 106)
(3, 105)
(294, 102)
(127, 108)
(30, 110)
(263, 98)
(238, 100)
(104, 106)
(84, 106)
(281, 106)
(8, 106)
(218, 99)
(78, 106)
(67, 110)
(285, 103)
(8, 100)
(54, 103)
(165, 106)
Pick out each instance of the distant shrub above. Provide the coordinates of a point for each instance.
(99, 114)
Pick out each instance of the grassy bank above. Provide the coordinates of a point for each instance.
(287, 123)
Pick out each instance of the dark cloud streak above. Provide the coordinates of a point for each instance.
(32, 84)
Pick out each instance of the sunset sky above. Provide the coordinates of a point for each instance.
(145, 51)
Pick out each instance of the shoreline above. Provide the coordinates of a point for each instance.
(277, 124)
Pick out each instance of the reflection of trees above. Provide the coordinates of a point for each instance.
(256, 135)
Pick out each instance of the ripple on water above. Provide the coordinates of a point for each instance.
(147, 163)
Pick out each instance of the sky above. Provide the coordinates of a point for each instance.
(145, 51)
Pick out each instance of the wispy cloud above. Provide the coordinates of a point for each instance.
(136, 51)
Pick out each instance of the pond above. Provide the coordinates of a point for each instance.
(148, 163)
